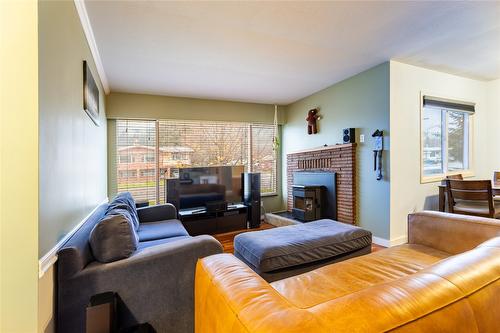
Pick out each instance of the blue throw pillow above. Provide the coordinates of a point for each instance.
(124, 200)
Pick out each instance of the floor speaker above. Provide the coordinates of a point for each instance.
(172, 192)
(251, 197)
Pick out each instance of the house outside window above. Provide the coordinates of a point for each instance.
(127, 174)
(124, 159)
(147, 172)
(446, 138)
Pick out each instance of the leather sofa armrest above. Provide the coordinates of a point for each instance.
(230, 297)
(157, 213)
(451, 233)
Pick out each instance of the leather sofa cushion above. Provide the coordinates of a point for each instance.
(113, 238)
(337, 280)
(161, 229)
(289, 246)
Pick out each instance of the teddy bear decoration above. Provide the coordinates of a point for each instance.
(312, 121)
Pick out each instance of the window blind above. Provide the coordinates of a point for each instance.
(218, 143)
(442, 103)
(263, 156)
(201, 144)
(148, 152)
(136, 158)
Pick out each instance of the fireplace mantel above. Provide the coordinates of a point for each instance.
(335, 158)
(322, 148)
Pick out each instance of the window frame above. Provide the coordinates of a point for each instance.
(277, 154)
(466, 173)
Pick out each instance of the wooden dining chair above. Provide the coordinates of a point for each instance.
(455, 177)
(496, 178)
(472, 197)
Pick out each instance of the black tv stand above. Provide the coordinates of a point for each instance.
(198, 220)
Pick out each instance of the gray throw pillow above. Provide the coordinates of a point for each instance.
(113, 238)
(125, 200)
(120, 209)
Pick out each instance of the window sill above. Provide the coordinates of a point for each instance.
(440, 177)
(274, 194)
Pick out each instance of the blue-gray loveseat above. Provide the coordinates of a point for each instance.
(155, 282)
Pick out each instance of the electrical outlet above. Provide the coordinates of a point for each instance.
(362, 138)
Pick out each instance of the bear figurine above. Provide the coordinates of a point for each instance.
(312, 118)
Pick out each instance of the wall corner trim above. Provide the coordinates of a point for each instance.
(389, 243)
(381, 241)
(50, 257)
(89, 34)
(399, 240)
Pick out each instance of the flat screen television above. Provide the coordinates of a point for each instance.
(201, 185)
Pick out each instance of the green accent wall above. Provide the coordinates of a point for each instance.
(72, 171)
(362, 102)
(141, 106)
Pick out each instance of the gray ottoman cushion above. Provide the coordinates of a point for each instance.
(273, 249)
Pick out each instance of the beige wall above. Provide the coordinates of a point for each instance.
(493, 143)
(138, 106)
(73, 151)
(407, 82)
(18, 166)
(46, 301)
(361, 101)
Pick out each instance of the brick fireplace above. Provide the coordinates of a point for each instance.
(340, 159)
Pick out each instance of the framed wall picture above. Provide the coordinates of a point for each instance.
(90, 94)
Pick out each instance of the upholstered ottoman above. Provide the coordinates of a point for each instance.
(281, 252)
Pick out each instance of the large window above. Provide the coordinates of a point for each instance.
(446, 138)
(155, 150)
(136, 158)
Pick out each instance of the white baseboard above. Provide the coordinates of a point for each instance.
(399, 240)
(381, 241)
(50, 257)
(388, 243)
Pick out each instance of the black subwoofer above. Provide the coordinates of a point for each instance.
(251, 197)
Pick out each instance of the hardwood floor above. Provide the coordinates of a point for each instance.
(227, 239)
(376, 247)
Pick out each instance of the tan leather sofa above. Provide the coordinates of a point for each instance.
(445, 279)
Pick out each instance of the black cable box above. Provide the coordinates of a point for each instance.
(216, 206)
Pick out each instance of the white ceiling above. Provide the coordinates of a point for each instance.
(279, 52)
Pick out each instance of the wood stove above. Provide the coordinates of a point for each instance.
(308, 202)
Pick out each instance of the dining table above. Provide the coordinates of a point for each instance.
(442, 195)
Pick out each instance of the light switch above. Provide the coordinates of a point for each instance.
(362, 138)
